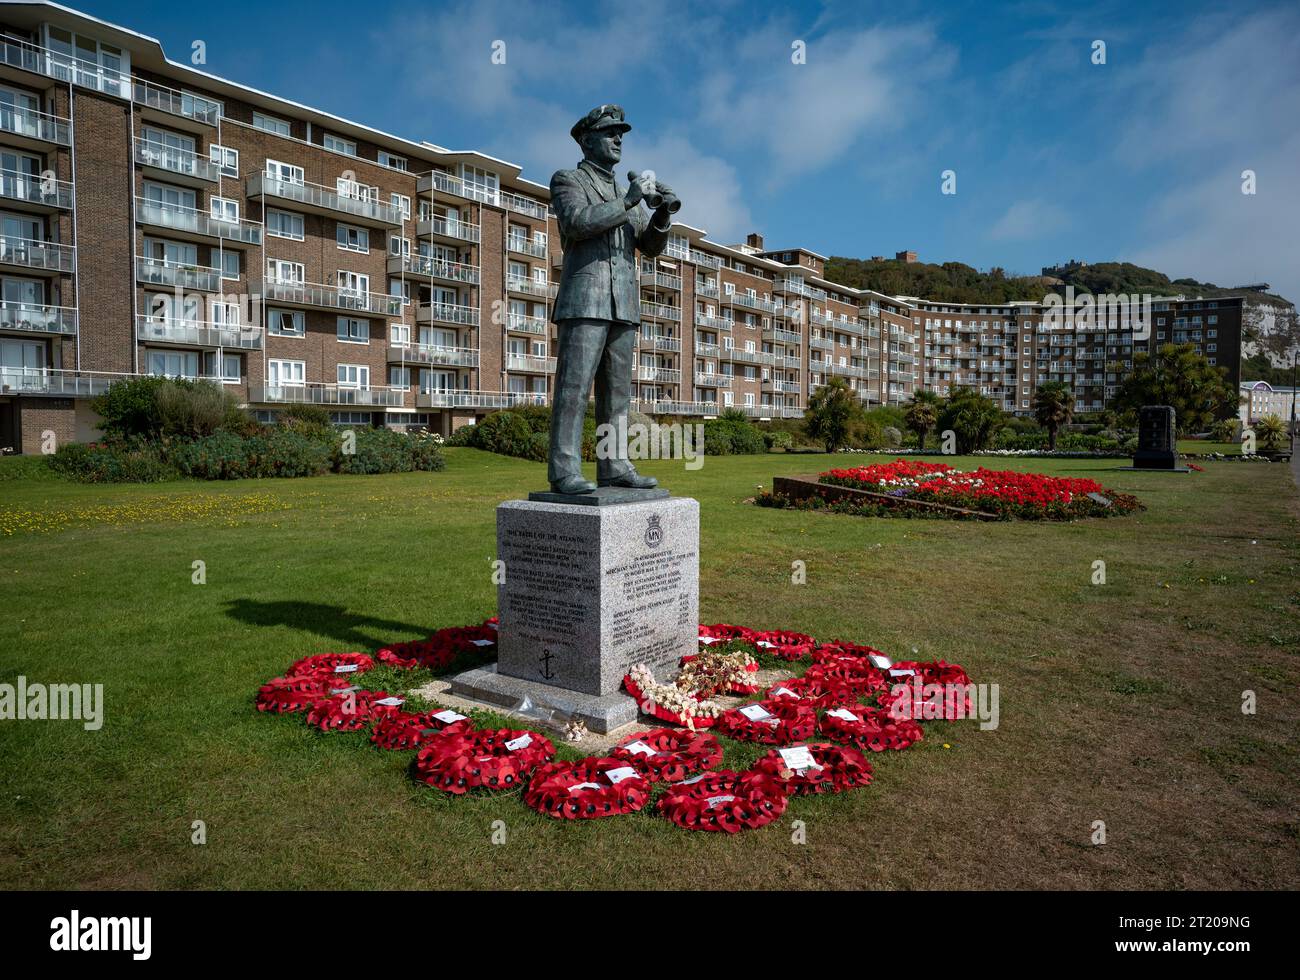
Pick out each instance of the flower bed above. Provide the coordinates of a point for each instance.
(1010, 494)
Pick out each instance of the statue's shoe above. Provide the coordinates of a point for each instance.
(632, 480)
(573, 484)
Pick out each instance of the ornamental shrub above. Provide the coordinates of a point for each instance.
(130, 407)
(376, 451)
(426, 452)
(284, 452)
(464, 436)
(891, 436)
(220, 456)
(133, 461)
(192, 409)
(507, 433)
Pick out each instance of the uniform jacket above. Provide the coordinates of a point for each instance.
(600, 238)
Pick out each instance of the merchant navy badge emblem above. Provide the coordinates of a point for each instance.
(654, 534)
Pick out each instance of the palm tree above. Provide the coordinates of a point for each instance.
(832, 412)
(1270, 431)
(1053, 408)
(922, 413)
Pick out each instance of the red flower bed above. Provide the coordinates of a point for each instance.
(787, 721)
(725, 801)
(587, 789)
(674, 753)
(869, 728)
(835, 769)
(405, 730)
(492, 759)
(1008, 493)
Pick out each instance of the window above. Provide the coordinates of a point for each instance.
(340, 145)
(286, 374)
(1212, 318)
(402, 288)
(354, 331)
(284, 224)
(269, 123)
(278, 270)
(347, 187)
(391, 160)
(352, 239)
(226, 159)
(226, 368)
(353, 283)
(284, 172)
(397, 245)
(399, 334)
(229, 265)
(354, 376)
(174, 364)
(285, 323)
(399, 377)
(224, 209)
(403, 203)
(480, 185)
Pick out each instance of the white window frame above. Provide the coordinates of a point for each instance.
(352, 376)
(277, 232)
(275, 323)
(224, 209)
(344, 330)
(226, 159)
(340, 145)
(297, 371)
(352, 238)
(271, 124)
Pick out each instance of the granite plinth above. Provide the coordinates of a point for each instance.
(590, 591)
(600, 497)
(600, 713)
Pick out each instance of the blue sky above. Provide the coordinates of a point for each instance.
(1137, 159)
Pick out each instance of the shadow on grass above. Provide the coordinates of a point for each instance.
(356, 632)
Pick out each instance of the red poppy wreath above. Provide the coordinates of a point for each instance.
(772, 722)
(669, 754)
(407, 730)
(493, 759)
(587, 789)
(724, 801)
(869, 728)
(817, 768)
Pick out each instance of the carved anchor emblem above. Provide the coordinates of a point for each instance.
(545, 660)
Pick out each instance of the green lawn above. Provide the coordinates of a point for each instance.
(1119, 702)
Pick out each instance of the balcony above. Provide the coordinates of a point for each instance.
(466, 357)
(714, 322)
(175, 164)
(192, 224)
(790, 360)
(522, 323)
(175, 107)
(531, 287)
(736, 355)
(523, 205)
(34, 193)
(329, 201)
(662, 375)
(447, 229)
(458, 273)
(197, 333)
(704, 260)
(652, 341)
(782, 336)
(321, 296)
(159, 272)
(751, 302)
(445, 183)
(463, 398)
(526, 246)
(530, 363)
(37, 319)
(706, 350)
(709, 290)
(661, 280)
(42, 257)
(709, 379)
(668, 407)
(57, 383)
(325, 394)
(452, 313)
(21, 55)
(776, 384)
(821, 343)
(33, 129)
(658, 311)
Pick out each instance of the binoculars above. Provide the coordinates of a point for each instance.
(657, 200)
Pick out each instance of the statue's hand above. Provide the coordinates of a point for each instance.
(643, 186)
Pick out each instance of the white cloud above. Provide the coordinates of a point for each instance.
(1031, 219)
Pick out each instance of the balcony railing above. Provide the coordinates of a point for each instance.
(706, 350)
(526, 246)
(175, 217)
(19, 53)
(751, 302)
(176, 103)
(663, 375)
(447, 228)
(48, 191)
(467, 357)
(446, 183)
(34, 254)
(34, 124)
(735, 354)
(704, 260)
(821, 343)
(712, 380)
(354, 205)
(57, 383)
(427, 265)
(316, 393)
(706, 289)
(782, 336)
(531, 287)
(523, 323)
(662, 280)
(332, 297)
(652, 341)
(32, 318)
(776, 384)
(530, 362)
(713, 322)
(197, 333)
(159, 272)
(669, 407)
(455, 313)
(175, 160)
(661, 312)
(523, 205)
(478, 399)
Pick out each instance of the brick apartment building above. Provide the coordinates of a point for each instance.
(161, 220)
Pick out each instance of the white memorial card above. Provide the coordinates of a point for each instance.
(843, 713)
(879, 661)
(755, 712)
(449, 717)
(798, 758)
(345, 668)
(522, 742)
(394, 702)
(639, 748)
(616, 776)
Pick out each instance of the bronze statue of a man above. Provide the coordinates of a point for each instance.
(598, 307)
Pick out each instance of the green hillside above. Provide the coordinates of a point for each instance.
(955, 282)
